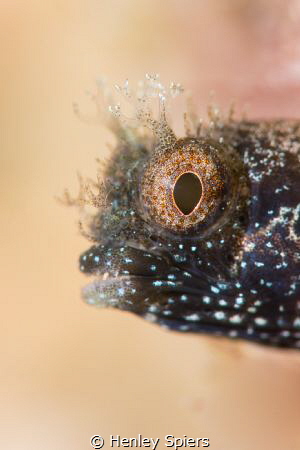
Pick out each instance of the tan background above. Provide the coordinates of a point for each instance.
(69, 371)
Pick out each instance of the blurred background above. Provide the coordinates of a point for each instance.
(69, 371)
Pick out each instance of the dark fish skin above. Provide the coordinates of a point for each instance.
(238, 277)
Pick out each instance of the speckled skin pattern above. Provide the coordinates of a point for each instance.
(233, 273)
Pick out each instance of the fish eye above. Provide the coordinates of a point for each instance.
(187, 186)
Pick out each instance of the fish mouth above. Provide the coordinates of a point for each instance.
(127, 277)
(142, 281)
(177, 297)
(149, 285)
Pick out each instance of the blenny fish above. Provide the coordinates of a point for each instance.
(199, 233)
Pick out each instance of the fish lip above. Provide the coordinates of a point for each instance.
(102, 290)
(91, 292)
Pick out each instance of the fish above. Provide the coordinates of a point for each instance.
(197, 233)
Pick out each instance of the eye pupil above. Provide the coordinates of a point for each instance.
(187, 192)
